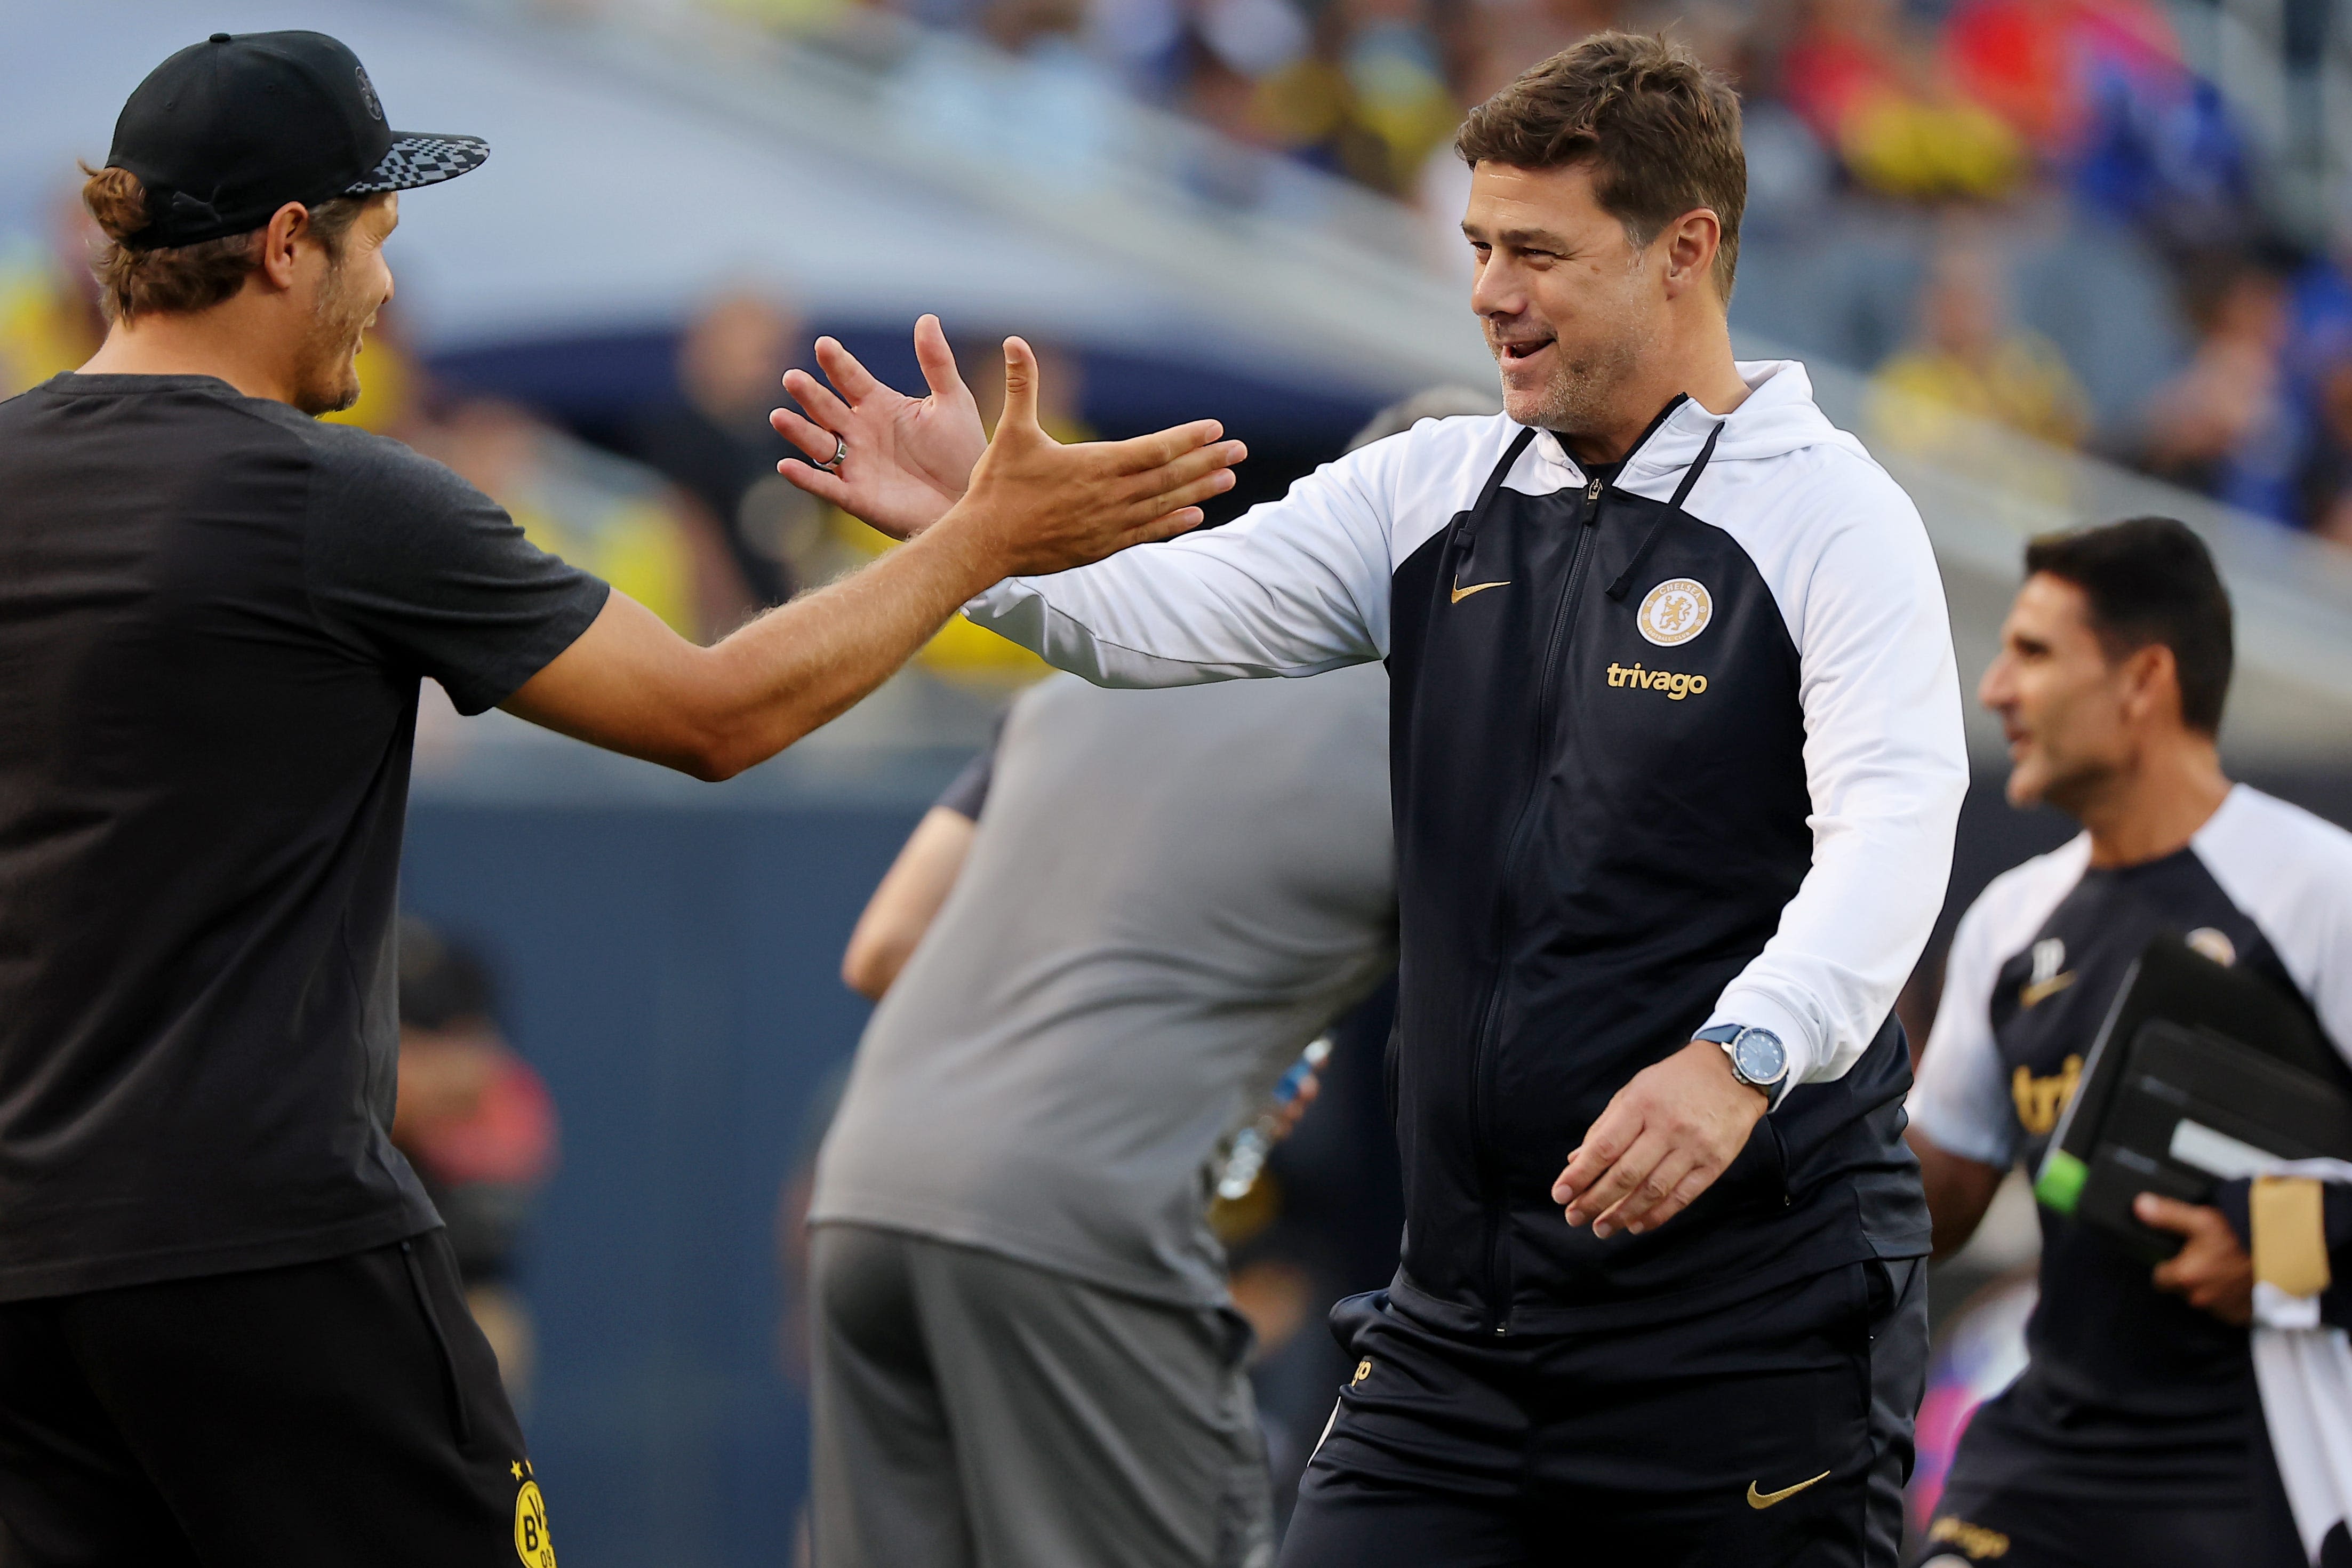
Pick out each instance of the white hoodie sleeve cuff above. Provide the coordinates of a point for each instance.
(1751, 1009)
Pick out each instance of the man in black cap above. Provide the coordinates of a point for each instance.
(230, 1329)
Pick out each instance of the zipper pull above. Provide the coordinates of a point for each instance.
(1592, 493)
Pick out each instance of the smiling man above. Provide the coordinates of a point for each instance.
(1658, 1301)
(231, 1329)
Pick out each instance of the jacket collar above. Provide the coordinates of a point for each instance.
(1777, 417)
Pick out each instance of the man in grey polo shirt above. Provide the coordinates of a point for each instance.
(1025, 1350)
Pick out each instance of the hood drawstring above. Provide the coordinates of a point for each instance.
(1465, 536)
(1616, 590)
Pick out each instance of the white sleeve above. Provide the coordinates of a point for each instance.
(2291, 872)
(1960, 1101)
(1887, 767)
(1295, 586)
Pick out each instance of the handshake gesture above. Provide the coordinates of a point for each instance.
(1027, 504)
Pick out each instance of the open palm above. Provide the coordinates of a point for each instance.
(907, 459)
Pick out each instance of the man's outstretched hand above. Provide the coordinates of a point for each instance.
(1039, 506)
(909, 458)
(1662, 1140)
(1030, 506)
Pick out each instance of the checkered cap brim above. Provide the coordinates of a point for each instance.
(418, 159)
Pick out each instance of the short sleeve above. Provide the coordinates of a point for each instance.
(969, 794)
(1960, 1102)
(408, 563)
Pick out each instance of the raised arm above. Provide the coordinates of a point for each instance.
(631, 685)
(1297, 587)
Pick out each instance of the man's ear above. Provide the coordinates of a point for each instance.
(2151, 679)
(281, 242)
(1691, 242)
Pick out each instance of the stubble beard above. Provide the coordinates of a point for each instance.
(2070, 785)
(329, 377)
(1582, 396)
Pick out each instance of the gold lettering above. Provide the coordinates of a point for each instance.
(1973, 1539)
(2040, 1099)
(1675, 685)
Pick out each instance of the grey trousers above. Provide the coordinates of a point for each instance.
(973, 1412)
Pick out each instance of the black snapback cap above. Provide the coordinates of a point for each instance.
(226, 131)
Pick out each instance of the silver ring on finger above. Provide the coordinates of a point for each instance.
(840, 450)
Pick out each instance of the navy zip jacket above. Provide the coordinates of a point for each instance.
(1679, 749)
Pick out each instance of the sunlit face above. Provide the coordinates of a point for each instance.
(1568, 305)
(2063, 703)
(345, 296)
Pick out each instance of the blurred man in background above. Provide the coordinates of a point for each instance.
(1094, 957)
(231, 1326)
(713, 437)
(477, 1127)
(1676, 750)
(2134, 1434)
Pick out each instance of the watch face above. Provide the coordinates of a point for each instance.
(1759, 1056)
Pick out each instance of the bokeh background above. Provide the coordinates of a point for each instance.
(2058, 261)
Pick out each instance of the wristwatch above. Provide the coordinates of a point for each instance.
(1758, 1060)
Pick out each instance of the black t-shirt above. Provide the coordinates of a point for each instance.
(213, 616)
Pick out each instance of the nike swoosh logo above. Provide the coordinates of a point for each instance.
(1766, 1499)
(2043, 989)
(1460, 593)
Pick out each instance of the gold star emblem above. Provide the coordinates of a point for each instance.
(517, 1469)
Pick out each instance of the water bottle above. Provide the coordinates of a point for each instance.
(1254, 1142)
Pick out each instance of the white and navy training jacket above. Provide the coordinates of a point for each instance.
(1679, 749)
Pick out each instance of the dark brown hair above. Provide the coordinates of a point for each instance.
(2151, 580)
(1660, 130)
(186, 277)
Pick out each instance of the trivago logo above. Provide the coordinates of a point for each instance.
(1675, 684)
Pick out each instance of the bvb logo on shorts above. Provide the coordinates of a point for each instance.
(1674, 612)
(530, 1528)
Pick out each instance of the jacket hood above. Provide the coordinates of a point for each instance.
(1779, 417)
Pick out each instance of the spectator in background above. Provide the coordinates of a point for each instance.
(1881, 99)
(1369, 100)
(2223, 425)
(713, 441)
(2319, 369)
(476, 1124)
(2101, 94)
(2043, 65)
(604, 513)
(2325, 484)
(1971, 360)
(50, 317)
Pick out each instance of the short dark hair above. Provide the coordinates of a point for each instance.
(135, 282)
(1659, 129)
(2151, 580)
